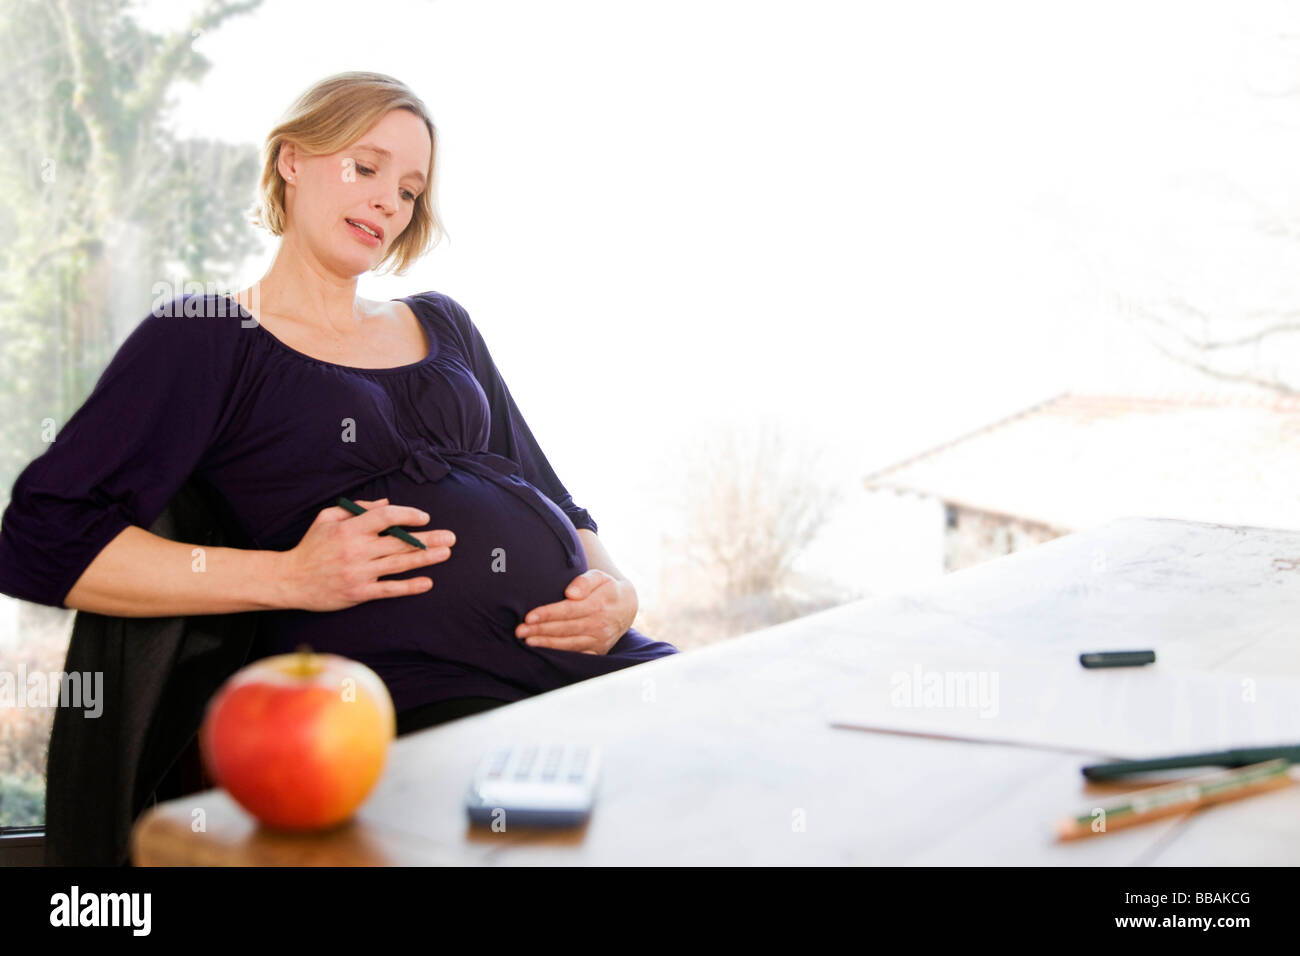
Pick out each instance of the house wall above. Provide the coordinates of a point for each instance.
(972, 536)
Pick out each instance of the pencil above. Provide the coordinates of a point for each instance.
(1174, 798)
(395, 531)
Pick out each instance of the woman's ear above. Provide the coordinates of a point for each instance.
(286, 161)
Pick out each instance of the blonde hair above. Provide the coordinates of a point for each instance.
(331, 116)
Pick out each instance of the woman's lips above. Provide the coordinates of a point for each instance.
(360, 233)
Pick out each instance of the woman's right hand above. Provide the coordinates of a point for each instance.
(340, 559)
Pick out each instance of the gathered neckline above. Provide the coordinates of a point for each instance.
(434, 345)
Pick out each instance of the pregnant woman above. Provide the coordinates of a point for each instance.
(293, 392)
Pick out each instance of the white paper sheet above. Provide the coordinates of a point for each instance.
(1123, 712)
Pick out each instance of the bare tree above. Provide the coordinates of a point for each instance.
(1225, 309)
(752, 498)
(100, 200)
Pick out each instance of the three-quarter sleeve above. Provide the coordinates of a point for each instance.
(124, 454)
(510, 435)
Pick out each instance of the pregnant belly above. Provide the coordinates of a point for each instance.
(506, 561)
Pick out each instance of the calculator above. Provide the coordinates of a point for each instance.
(549, 784)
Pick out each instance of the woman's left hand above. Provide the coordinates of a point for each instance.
(597, 610)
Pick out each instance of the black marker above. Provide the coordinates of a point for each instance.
(1243, 757)
(395, 531)
(1117, 658)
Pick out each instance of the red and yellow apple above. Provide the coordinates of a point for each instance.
(299, 740)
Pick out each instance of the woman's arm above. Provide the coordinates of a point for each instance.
(155, 412)
(597, 556)
(337, 564)
(139, 574)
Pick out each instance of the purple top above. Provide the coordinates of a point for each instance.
(200, 388)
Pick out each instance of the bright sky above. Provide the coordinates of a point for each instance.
(887, 224)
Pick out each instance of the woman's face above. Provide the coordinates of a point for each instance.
(374, 181)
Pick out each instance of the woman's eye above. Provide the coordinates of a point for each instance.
(367, 171)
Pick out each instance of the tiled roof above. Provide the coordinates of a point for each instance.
(1078, 460)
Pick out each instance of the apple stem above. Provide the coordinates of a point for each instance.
(304, 659)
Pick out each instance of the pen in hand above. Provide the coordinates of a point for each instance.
(350, 505)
